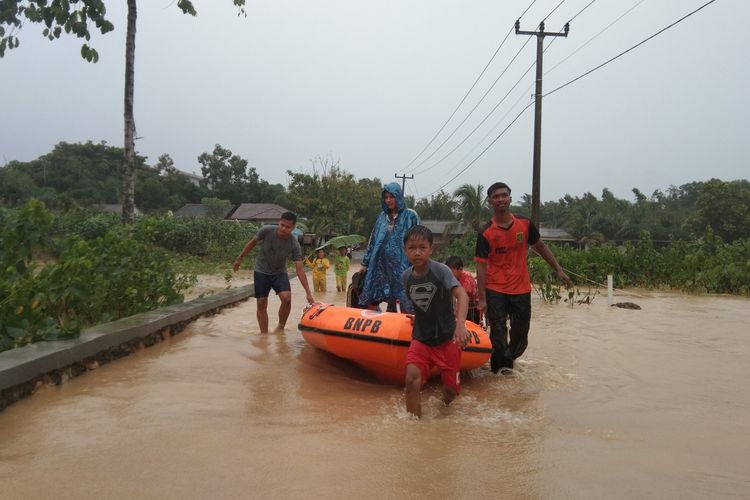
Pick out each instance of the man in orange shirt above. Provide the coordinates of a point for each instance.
(503, 276)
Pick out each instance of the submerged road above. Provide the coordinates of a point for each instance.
(606, 402)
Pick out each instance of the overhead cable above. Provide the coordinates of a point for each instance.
(474, 108)
(468, 91)
(595, 36)
(631, 48)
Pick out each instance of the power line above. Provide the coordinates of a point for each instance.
(485, 118)
(468, 91)
(480, 123)
(484, 150)
(490, 132)
(631, 48)
(563, 86)
(460, 103)
(551, 12)
(581, 11)
(595, 36)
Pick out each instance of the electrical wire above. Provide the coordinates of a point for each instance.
(581, 11)
(565, 85)
(552, 12)
(460, 103)
(595, 36)
(628, 50)
(467, 92)
(472, 111)
(487, 116)
(484, 150)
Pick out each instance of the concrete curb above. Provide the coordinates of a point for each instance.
(22, 369)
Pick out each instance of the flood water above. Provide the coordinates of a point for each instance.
(605, 403)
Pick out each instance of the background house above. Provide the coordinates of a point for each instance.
(197, 210)
(113, 208)
(445, 231)
(258, 213)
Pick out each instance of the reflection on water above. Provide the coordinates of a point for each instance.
(605, 403)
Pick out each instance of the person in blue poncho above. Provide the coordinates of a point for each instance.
(385, 260)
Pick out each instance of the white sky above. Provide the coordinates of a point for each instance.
(369, 83)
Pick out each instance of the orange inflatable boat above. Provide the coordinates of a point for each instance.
(378, 341)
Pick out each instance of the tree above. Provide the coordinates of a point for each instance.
(16, 186)
(333, 198)
(472, 209)
(165, 165)
(217, 209)
(440, 206)
(725, 208)
(73, 16)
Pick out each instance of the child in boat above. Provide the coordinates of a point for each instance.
(439, 328)
(469, 283)
(319, 266)
(341, 269)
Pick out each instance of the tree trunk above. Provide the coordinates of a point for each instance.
(128, 170)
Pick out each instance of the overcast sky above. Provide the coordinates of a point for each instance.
(369, 83)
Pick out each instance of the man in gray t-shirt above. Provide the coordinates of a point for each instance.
(276, 244)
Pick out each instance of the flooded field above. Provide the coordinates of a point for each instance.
(606, 403)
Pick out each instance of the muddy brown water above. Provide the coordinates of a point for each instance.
(606, 403)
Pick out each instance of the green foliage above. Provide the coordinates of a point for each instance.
(198, 236)
(682, 213)
(333, 201)
(228, 177)
(709, 265)
(725, 207)
(107, 277)
(471, 206)
(463, 247)
(217, 209)
(440, 206)
(58, 16)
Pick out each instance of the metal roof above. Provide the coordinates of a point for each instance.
(258, 212)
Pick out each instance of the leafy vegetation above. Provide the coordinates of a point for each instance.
(105, 277)
(695, 237)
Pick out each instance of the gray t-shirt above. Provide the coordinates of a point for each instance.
(432, 296)
(274, 251)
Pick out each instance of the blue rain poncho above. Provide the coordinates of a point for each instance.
(385, 258)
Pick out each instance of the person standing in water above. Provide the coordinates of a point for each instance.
(341, 269)
(385, 260)
(503, 276)
(276, 244)
(439, 328)
(319, 265)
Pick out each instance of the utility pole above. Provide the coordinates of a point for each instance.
(403, 181)
(536, 177)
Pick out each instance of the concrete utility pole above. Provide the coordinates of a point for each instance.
(403, 181)
(535, 191)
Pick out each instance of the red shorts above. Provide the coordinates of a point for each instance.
(446, 357)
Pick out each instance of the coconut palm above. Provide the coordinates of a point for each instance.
(473, 210)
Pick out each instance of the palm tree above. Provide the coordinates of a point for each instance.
(473, 210)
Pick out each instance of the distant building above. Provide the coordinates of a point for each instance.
(194, 179)
(258, 213)
(555, 234)
(197, 210)
(113, 208)
(445, 231)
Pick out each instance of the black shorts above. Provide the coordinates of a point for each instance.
(264, 283)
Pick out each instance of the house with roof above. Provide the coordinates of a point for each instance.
(197, 210)
(258, 213)
(114, 208)
(445, 231)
